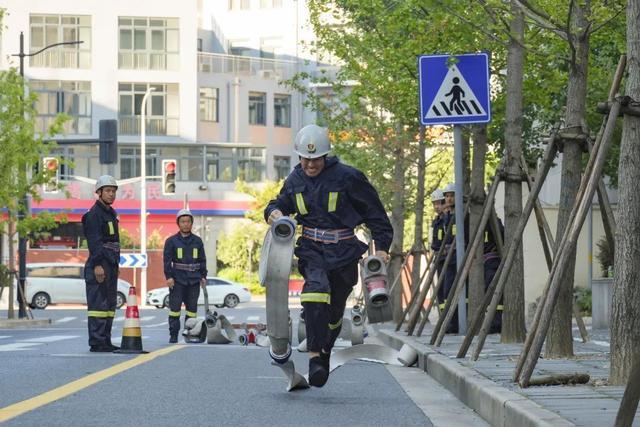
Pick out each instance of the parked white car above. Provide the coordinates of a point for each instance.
(60, 283)
(222, 293)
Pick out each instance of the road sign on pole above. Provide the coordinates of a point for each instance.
(454, 89)
(133, 260)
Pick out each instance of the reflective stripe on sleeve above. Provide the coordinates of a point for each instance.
(315, 297)
(500, 307)
(333, 201)
(302, 208)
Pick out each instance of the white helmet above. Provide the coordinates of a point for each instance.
(450, 188)
(184, 212)
(312, 142)
(437, 195)
(106, 181)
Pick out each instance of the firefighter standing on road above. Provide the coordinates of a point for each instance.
(100, 226)
(329, 200)
(450, 273)
(185, 267)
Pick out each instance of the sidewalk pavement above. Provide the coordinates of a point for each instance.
(486, 387)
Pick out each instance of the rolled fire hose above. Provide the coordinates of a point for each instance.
(197, 330)
(274, 270)
(222, 332)
(357, 326)
(407, 355)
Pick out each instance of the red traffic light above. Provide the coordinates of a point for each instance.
(170, 167)
(52, 164)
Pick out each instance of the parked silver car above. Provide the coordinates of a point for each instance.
(61, 282)
(222, 293)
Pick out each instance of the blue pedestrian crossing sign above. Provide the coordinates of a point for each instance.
(454, 89)
(133, 260)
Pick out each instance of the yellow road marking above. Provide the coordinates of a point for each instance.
(20, 408)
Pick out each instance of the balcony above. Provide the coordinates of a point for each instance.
(62, 58)
(128, 125)
(217, 63)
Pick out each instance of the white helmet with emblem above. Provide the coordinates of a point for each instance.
(184, 212)
(312, 141)
(106, 181)
(437, 195)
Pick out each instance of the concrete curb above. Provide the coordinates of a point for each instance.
(23, 323)
(494, 403)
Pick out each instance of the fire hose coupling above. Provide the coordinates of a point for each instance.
(356, 316)
(374, 276)
(284, 228)
(211, 319)
(248, 338)
(280, 358)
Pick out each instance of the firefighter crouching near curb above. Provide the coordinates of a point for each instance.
(329, 200)
(185, 267)
(100, 226)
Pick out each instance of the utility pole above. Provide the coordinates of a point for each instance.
(26, 205)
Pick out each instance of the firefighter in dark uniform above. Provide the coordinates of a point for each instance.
(100, 226)
(329, 200)
(185, 267)
(437, 226)
(450, 273)
(491, 263)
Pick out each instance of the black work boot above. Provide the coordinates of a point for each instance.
(319, 370)
(173, 339)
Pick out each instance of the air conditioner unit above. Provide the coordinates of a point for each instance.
(266, 74)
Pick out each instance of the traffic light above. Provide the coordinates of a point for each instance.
(169, 177)
(108, 137)
(50, 167)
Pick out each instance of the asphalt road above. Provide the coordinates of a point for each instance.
(49, 377)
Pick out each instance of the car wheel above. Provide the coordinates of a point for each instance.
(120, 300)
(219, 305)
(231, 300)
(41, 300)
(166, 301)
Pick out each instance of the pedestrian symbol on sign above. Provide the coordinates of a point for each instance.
(455, 98)
(454, 89)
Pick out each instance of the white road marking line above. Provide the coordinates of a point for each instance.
(64, 320)
(18, 346)
(145, 318)
(51, 338)
(253, 319)
(156, 325)
(5, 336)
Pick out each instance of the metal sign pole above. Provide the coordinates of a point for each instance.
(460, 246)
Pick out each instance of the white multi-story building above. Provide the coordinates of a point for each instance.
(219, 105)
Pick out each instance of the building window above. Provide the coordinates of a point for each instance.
(270, 4)
(163, 108)
(130, 162)
(191, 163)
(209, 104)
(282, 166)
(282, 110)
(148, 43)
(240, 48)
(257, 108)
(239, 4)
(250, 164)
(46, 30)
(69, 97)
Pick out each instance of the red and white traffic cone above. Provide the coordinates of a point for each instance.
(131, 333)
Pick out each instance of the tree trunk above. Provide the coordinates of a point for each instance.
(625, 322)
(476, 202)
(397, 221)
(513, 323)
(559, 338)
(418, 247)
(12, 265)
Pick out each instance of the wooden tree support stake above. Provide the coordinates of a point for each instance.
(629, 404)
(560, 379)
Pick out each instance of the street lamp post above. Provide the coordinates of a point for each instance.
(22, 240)
(143, 195)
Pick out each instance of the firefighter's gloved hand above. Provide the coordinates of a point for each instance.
(274, 215)
(383, 255)
(99, 273)
(170, 283)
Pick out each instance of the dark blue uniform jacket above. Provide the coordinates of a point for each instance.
(339, 197)
(184, 250)
(100, 227)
